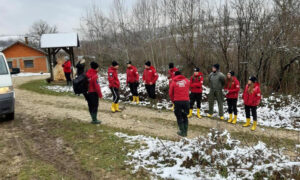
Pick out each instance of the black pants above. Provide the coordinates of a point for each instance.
(116, 94)
(151, 91)
(133, 88)
(253, 111)
(68, 77)
(181, 111)
(195, 97)
(93, 102)
(232, 103)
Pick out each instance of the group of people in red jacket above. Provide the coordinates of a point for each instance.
(183, 92)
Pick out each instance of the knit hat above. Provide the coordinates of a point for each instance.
(128, 62)
(253, 79)
(177, 73)
(94, 65)
(196, 69)
(217, 66)
(231, 72)
(148, 63)
(114, 63)
(171, 65)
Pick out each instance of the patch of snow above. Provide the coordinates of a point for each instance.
(216, 156)
(30, 74)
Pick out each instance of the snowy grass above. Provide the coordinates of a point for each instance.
(30, 74)
(275, 111)
(216, 156)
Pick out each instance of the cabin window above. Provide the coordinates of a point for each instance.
(28, 63)
(10, 64)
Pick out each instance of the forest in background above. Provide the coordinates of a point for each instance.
(251, 37)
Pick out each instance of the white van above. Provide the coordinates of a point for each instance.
(7, 95)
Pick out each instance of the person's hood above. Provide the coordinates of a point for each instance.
(256, 84)
(199, 74)
(151, 68)
(91, 72)
(111, 68)
(179, 78)
(174, 69)
(131, 67)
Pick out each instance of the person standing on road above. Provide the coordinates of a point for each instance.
(114, 85)
(150, 77)
(196, 83)
(216, 83)
(94, 92)
(251, 97)
(67, 70)
(179, 95)
(232, 88)
(133, 81)
(171, 75)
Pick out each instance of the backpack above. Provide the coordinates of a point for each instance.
(81, 84)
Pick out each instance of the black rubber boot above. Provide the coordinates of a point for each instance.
(181, 129)
(94, 119)
(186, 125)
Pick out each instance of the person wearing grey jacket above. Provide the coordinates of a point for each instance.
(216, 84)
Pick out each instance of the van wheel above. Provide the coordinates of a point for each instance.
(10, 116)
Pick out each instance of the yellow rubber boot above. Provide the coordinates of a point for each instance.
(247, 123)
(113, 107)
(230, 118)
(191, 113)
(222, 117)
(137, 99)
(172, 108)
(254, 125)
(133, 99)
(235, 119)
(117, 108)
(198, 113)
(209, 115)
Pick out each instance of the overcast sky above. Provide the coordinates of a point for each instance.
(16, 16)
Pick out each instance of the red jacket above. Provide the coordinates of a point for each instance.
(132, 75)
(150, 75)
(233, 91)
(254, 98)
(196, 83)
(113, 78)
(179, 89)
(94, 85)
(171, 74)
(67, 66)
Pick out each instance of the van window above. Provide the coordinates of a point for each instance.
(9, 63)
(3, 67)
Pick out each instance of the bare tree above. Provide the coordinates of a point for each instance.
(37, 29)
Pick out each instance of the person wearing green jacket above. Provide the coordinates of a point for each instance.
(216, 83)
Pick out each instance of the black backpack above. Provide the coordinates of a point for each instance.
(81, 84)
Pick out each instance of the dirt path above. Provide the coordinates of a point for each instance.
(140, 119)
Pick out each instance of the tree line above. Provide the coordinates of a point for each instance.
(250, 37)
